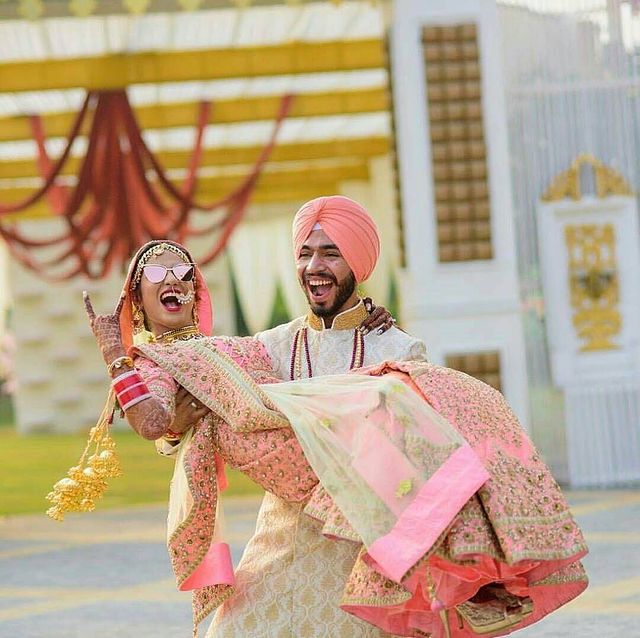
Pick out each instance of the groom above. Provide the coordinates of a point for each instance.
(336, 247)
(291, 576)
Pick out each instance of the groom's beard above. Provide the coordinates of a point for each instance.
(344, 290)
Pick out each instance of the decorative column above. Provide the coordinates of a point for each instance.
(460, 285)
(590, 262)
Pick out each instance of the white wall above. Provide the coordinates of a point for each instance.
(461, 306)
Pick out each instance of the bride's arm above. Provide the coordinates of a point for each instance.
(148, 400)
(152, 418)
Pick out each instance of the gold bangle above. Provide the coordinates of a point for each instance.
(118, 363)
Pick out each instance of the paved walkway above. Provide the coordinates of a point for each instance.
(107, 575)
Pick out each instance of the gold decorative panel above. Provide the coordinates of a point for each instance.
(454, 93)
(481, 365)
(567, 184)
(593, 282)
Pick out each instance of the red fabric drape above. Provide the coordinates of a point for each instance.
(123, 196)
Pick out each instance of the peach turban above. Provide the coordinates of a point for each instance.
(347, 224)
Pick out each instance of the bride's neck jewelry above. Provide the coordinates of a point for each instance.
(179, 334)
(300, 352)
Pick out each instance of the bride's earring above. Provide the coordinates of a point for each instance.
(138, 319)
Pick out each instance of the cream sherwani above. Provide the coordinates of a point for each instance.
(290, 578)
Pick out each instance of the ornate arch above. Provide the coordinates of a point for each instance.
(567, 183)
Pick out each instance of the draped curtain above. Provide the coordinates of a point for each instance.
(123, 196)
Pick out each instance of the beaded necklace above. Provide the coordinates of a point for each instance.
(300, 349)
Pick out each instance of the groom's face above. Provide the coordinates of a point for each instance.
(325, 276)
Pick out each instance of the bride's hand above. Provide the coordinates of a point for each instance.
(106, 330)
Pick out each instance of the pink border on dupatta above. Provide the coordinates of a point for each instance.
(215, 568)
(431, 511)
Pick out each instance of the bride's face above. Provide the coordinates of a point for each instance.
(167, 293)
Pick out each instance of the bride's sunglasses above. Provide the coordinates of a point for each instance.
(156, 273)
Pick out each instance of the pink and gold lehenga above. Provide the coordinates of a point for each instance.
(460, 526)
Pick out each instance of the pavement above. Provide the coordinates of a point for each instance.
(107, 574)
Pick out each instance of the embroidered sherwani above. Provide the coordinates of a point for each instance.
(291, 578)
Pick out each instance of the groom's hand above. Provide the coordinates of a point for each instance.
(188, 411)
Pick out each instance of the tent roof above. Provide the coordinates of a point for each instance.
(224, 29)
(58, 45)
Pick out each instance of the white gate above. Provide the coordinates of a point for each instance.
(573, 86)
(590, 262)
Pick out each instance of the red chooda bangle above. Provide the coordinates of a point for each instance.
(130, 389)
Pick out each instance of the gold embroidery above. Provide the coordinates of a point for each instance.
(426, 455)
(347, 320)
(573, 573)
(334, 530)
(228, 391)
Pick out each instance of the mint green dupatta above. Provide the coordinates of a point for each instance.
(397, 470)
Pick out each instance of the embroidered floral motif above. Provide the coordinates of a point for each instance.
(217, 381)
(426, 455)
(367, 587)
(404, 488)
(520, 513)
(571, 574)
(272, 457)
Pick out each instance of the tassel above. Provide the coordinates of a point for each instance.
(86, 482)
(437, 606)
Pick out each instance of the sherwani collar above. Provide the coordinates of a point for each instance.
(346, 320)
